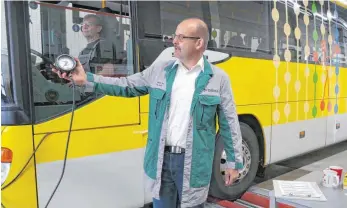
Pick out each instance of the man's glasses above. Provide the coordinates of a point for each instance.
(88, 24)
(180, 37)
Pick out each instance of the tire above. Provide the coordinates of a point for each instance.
(234, 191)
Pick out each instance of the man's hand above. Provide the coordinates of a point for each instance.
(230, 176)
(78, 75)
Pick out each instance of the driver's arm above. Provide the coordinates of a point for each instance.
(108, 70)
(106, 56)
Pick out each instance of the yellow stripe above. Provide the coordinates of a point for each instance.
(90, 142)
(344, 5)
(103, 112)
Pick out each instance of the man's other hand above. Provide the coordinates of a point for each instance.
(78, 75)
(230, 176)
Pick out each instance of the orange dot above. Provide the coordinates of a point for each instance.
(337, 49)
(323, 46)
(329, 106)
(322, 105)
(315, 56)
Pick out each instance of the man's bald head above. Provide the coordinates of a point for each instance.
(200, 28)
(190, 41)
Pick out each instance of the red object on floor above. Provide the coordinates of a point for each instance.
(224, 203)
(249, 197)
(229, 204)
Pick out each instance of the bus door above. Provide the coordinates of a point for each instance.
(104, 160)
(336, 85)
(17, 190)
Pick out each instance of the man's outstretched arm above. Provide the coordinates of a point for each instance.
(134, 85)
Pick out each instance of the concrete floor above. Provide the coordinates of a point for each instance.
(301, 168)
(297, 167)
(308, 168)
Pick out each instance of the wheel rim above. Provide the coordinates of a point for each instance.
(247, 159)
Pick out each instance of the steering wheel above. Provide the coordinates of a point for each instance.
(45, 59)
(45, 69)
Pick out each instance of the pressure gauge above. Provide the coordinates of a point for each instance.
(65, 63)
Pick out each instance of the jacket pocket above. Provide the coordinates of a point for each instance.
(206, 110)
(150, 159)
(202, 168)
(156, 101)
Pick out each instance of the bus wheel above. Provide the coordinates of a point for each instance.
(250, 150)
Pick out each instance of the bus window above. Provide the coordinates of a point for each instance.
(231, 24)
(344, 45)
(172, 13)
(100, 40)
(6, 77)
(338, 47)
(289, 19)
(157, 23)
(243, 25)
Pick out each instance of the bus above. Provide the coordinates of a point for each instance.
(62, 147)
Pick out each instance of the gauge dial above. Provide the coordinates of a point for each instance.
(66, 62)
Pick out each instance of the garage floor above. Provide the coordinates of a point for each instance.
(305, 168)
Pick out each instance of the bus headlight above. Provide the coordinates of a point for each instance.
(5, 169)
(6, 159)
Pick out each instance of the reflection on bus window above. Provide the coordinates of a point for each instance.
(6, 84)
(100, 40)
(98, 51)
(173, 12)
(242, 25)
(231, 25)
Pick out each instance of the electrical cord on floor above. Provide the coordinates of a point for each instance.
(38, 146)
(67, 144)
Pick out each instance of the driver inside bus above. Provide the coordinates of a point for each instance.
(99, 55)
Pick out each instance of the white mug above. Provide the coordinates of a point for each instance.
(330, 178)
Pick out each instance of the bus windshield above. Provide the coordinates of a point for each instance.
(6, 83)
(99, 37)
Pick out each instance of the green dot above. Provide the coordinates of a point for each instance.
(315, 77)
(315, 35)
(314, 8)
(214, 33)
(314, 111)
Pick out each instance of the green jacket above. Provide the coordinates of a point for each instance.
(212, 98)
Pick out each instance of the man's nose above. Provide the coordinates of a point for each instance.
(174, 41)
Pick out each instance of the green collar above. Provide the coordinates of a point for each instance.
(207, 67)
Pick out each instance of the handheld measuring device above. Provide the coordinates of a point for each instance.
(65, 63)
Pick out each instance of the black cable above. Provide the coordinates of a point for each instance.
(32, 155)
(67, 143)
(38, 146)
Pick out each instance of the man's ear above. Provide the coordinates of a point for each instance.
(200, 43)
